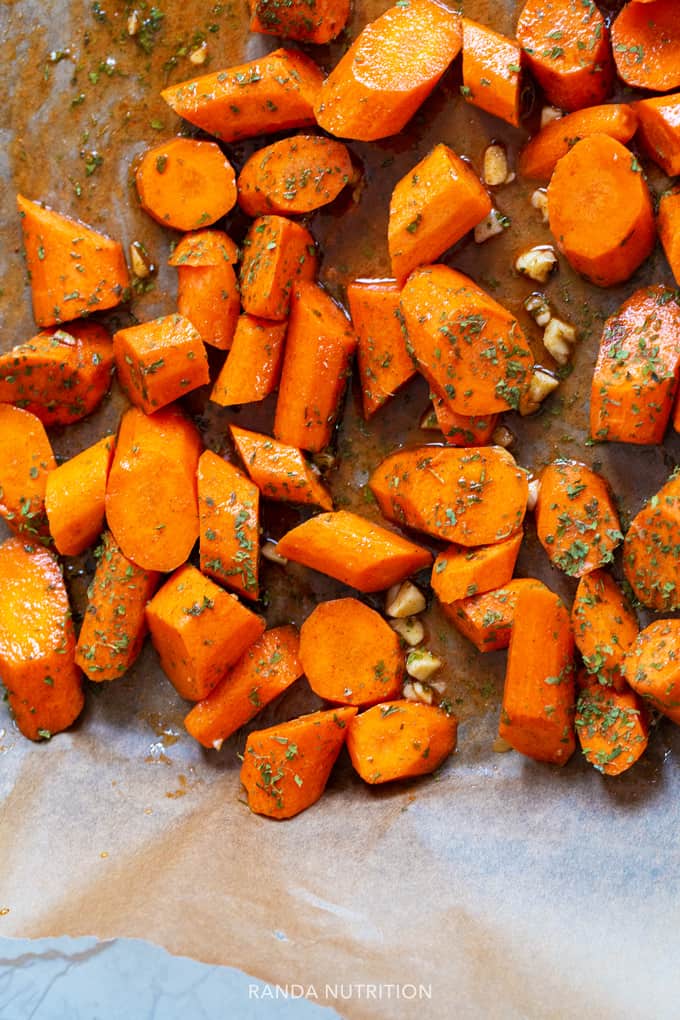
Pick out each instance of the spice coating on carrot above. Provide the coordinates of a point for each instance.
(160, 361)
(26, 458)
(277, 253)
(228, 509)
(317, 21)
(294, 176)
(652, 666)
(612, 728)
(659, 131)
(185, 183)
(400, 740)
(487, 619)
(646, 42)
(540, 155)
(651, 559)
(604, 625)
(253, 364)
(75, 497)
(279, 471)
(492, 66)
(207, 288)
(459, 573)
(384, 362)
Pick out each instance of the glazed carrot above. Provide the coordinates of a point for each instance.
(207, 288)
(388, 71)
(114, 624)
(650, 559)
(491, 71)
(37, 642)
(652, 666)
(276, 254)
(646, 42)
(576, 519)
(159, 361)
(353, 550)
(566, 46)
(612, 728)
(604, 625)
(461, 429)
(658, 131)
(75, 496)
(601, 175)
(294, 175)
(74, 270)
(151, 501)
(26, 458)
(350, 655)
(228, 510)
(637, 370)
(487, 619)
(286, 767)
(185, 184)
(318, 22)
(60, 375)
(540, 156)
(472, 351)
(400, 740)
(267, 669)
(253, 364)
(472, 497)
(668, 225)
(199, 631)
(459, 573)
(433, 206)
(537, 716)
(279, 471)
(319, 348)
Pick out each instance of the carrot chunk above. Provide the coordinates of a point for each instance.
(74, 270)
(204, 249)
(279, 471)
(461, 429)
(612, 728)
(652, 666)
(207, 288)
(487, 619)
(540, 156)
(650, 552)
(491, 71)
(400, 740)
(659, 131)
(668, 225)
(185, 184)
(26, 458)
(228, 508)
(277, 253)
(646, 41)
(294, 175)
(459, 573)
(253, 364)
(318, 22)
(604, 625)
(75, 497)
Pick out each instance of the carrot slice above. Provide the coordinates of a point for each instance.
(659, 131)
(353, 550)
(199, 631)
(294, 175)
(151, 501)
(472, 497)
(491, 71)
(207, 288)
(668, 225)
(384, 363)
(37, 642)
(267, 669)
(487, 619)
(433, 206)
(650, 560)
(74, 270)
(459, 573)
(279, 471)
(540, 156)
(253, 364)
(228, 508)
(160, 361)
(646, 41)
(75, 497)
(277, 253)
(114, 624)
(204, 249)
(400, 740)
(185, 184)
(286, 767)
(601, 175)
(605, 626)
(25, 459)
(461, 429)
(388, 71)
(612, 728)
(652, 666)
(298, 19)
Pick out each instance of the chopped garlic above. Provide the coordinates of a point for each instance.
(269, 552)
(324, 460)
(534, 489)
(404, 600)
(198, 56)
(133, 23)
(539, 309)
(539, 200)
(421, 664)
(142, 266)
(217, 744)
(558, 339)
(502, 436)
(549, 114)
(542, 384)
(409, 629)
(418, 692)
(492, 225)
(537, 263)
(495, 165)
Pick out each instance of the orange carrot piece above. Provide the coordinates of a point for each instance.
(472, 497)
(151, 500)
(26, 458)
(537, 717)
(388, 71)
(279, 471)
(199, 631)
(652, 666)
(353, 550)
(228, 508)
(540, 156)
(650, 550)
(646, 41)
(601, 175)
(566, 46)
(433, 206)
(491, 71)
(253, 365)
(612, 728)
(74, 270)
(204, 249)
(277, 253)
(461, 429)
(459, 573)
(637, 370)
(319, 348)
(265, 671)
(207, 288)
(668, 225)
(298, 19)
(400, 740)
(43, 684)
(659, 131)
(487, 619)
(185, 184)
(286, 767)
(294, 175)
(604, 625)
(75, 497)
(114, 624)
(384, 362)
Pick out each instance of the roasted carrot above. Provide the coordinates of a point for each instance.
(353, 550)
(319, 348)
(604, 625)
(658, 131)
(540, 156)
(43, 684)
(26, 458)
(492, 67)
(151, 501)
(459, 573)
(75, 497)
(253, 364)
(279, 471)
(566, 45)
(433, 206)
(537, 716)
(487, 619)
(650, 551)
(199, 631)
(74, 270)
(263, 672)
(159, 361)
(286, 767)
(294, 175)
(472, 497)
(461, 429)
(271, 93)
(114, 624)
(318, 22)
(388, 71)
(185, 183)
(400, 740)
(384, 362)
(637, 370)
(668, 225)
(228, 510)
(646, 42)
(277, 253)
(207, 288)
(612, 728)
(652, 666)
(202, 249)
